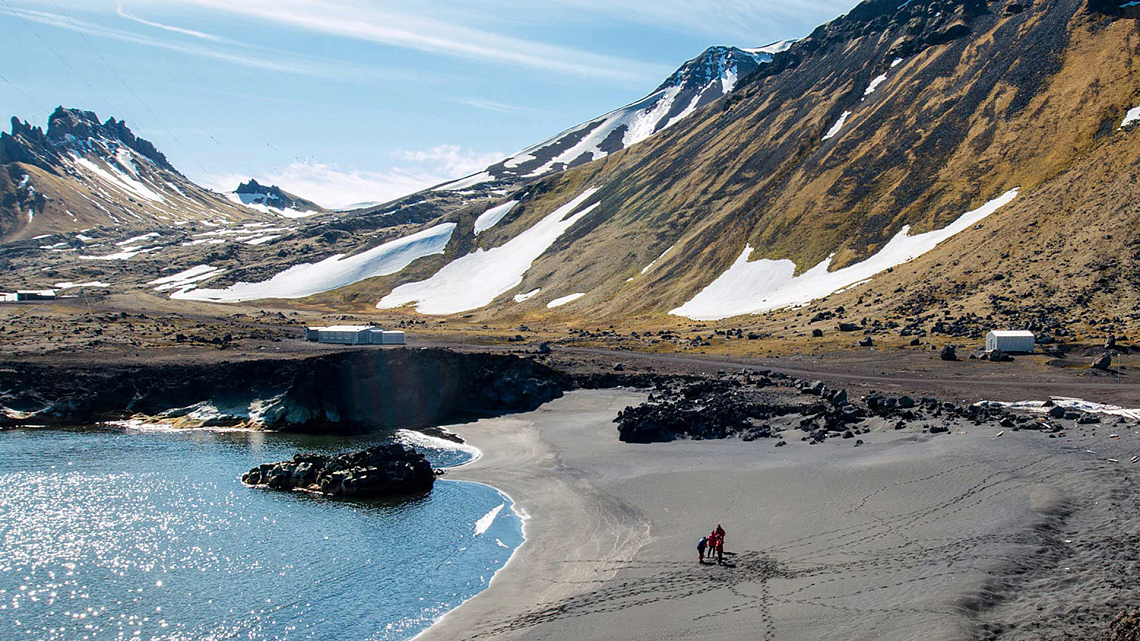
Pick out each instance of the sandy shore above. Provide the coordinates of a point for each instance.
(959, 536)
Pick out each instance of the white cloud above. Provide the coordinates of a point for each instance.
(244, 55)
(490, 105)
(381, 24)
(335, 186)
(174, 29)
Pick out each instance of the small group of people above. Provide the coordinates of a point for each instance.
(713, 543)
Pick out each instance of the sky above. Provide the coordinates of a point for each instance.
(346, 101)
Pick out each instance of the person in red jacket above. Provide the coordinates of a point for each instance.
(713, 542)
(719, 543)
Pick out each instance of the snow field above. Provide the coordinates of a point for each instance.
(474, 280)
(335, 271)
(750, 287)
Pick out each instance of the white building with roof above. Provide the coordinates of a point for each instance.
(1011, 341)
(354, 335)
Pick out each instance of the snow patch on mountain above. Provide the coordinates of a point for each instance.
(751, 287)
(335, 271)
(837, 126)
(492, 216)
(474, 280)
(559, 302)
(875, 84)
(116, 179)
(1133, 115)
(654, 261)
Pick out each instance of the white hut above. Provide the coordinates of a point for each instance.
(1010, 341)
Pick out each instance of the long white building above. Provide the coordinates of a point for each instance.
(354, 335)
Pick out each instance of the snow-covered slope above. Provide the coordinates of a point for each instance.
(307, 279)
(695, 84)
(474, 280)
(762, 285)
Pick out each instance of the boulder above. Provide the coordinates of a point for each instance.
(385, 470)
(1102, 363)
(949, 354)
(1057, 412)
(866, 342)
(998, 356)
(817, 333)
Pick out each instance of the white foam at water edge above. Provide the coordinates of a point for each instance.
(413, 439)
(149, 426)
(523, 519)
(1068, 403)
(485, 521)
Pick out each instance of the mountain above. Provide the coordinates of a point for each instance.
(82, 173)
(920, 163)
(273, 199)
(696, 83)
(934, 166)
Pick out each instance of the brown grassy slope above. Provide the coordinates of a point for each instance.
(1017, 103)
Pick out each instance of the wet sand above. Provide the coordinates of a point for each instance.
(956, 536)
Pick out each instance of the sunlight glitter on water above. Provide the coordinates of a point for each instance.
(152, 536)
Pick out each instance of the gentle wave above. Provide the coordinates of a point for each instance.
(419, 439)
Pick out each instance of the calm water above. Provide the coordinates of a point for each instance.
(121, 534)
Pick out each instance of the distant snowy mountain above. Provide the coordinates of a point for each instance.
(272, 199)
(695, 84)
(82, 173)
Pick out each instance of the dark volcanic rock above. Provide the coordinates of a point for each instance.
(353, 390)
(386, 470)
(704, 409)
(1125, 626)
(1102, 363)
(949, 353)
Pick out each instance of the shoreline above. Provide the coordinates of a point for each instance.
(911, 535)
(519, 464)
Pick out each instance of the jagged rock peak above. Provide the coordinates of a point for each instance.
(253, 187)
(73, 130)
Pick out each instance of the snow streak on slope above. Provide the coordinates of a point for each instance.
(763, 285)
(335, 271)
(474, 280)
(492, 216)
(837, 126)
(559, 302)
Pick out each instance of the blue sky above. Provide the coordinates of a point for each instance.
(346, 101)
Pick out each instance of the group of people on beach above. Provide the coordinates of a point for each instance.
(714, 542)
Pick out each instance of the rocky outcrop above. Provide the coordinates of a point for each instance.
(704, 409)
(1125, 626)
(762, 404)
(70, 130)
(253, 192)
(350, 391)
(386, 470)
